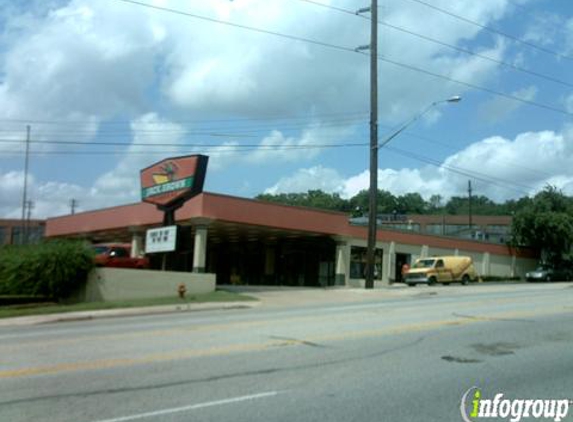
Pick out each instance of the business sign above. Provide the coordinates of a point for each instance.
(163, 239)
(173, 180)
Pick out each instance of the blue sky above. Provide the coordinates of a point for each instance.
(109, 87)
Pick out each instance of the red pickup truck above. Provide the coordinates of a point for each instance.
(117, 255)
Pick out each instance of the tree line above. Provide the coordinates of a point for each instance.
(409, 203)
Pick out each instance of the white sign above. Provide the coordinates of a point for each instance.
(162, 239)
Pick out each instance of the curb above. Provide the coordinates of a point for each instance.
(124, 312)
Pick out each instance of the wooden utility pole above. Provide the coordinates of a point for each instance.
(373, 193)
(73, 205)
(470, 206)
(26, 159)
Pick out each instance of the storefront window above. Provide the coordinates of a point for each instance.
(358, 263)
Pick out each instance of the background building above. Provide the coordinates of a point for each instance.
(18, 232)
(488, 228)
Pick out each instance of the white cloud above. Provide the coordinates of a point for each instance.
(89, 63)
(78, 64)
(326, 179)
(85, 62)
(278, 147)
(499, 108)
(499, 169)
(48, 198)
(568, 102)
(545, 29)
(568, 29)
(121, 185)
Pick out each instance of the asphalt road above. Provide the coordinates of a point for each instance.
(410, 357)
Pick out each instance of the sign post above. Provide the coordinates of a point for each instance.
(168, 184)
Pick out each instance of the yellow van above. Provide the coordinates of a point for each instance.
(441, 269)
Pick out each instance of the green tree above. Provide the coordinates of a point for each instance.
(435, 205)
(313, 198)
(411, 203)
(457, 205)
(387, 202)
(546, 223)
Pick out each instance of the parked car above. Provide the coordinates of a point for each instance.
(548, 273)
(117, 255)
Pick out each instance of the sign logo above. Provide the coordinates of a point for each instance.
(473, 407)
(173, 180)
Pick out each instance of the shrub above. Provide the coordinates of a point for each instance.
(51, 269)
(499, 278)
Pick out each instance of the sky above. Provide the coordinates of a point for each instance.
(275, 94)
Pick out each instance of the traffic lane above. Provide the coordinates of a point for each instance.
(122, 325)
(141, 346)
(399, 377)
(112, 350)
(335, 299)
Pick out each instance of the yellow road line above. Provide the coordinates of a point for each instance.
(257, 347)
(230, 325)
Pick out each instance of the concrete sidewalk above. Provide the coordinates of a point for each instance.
(124, 312)
(268, 297)
(277, 297)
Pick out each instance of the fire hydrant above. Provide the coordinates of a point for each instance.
(181, 290)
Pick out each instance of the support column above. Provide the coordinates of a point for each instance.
(389, 264)
(270, 253)
(341, 263)
(513, 266)
(485, 268)
(136, 242)
(425, 251)
(200, 249)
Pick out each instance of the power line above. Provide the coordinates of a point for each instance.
(209, 149)
(233, 148)
(347, 49)
(493, 30)
(237, 132)
(518, 6)
(276, 117)
(477, 87)
(236, 25)
(223, 149)
(481, 56)
(445, 44)
(160, 144)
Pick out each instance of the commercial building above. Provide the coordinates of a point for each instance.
(18, 232)
(253, 242)
(489, 228)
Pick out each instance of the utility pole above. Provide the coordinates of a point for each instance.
(29, 205)
(470, 206)
(73, 205)
(24, 196)
(373, 190)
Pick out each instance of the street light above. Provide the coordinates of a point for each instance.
(373, 220)
(454, 99)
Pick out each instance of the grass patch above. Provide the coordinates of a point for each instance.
(28, 309)
(496, 278)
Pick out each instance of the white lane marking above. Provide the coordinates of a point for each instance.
(192, 407)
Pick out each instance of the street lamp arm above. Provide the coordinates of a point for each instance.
(454, 99)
